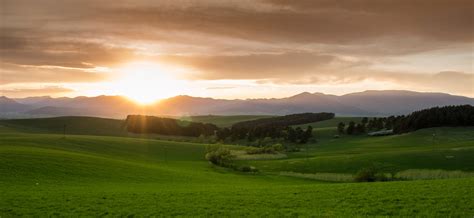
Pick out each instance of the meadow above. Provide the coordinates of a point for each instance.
(44, 173)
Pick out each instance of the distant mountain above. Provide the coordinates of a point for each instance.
(58, 111)
(367, 103)
(390, 102)
(8, 105)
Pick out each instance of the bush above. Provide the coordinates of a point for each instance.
(247, 169)
(218, 155)
(278, 147)
(273, 149)
(370, 174)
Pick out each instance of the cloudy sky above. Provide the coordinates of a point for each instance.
(234, 49)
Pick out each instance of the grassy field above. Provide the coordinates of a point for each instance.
(49, 175)
(332, 123)
(104, 126)
(450, 149)
(224, 121)
(74, 125)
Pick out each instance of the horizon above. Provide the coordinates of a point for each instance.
(194, 96)
(149, 51)
(236, 108)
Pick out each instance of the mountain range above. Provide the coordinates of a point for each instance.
(367, 103)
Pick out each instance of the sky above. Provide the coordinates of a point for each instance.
(148, 50)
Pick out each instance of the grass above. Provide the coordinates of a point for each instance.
(74, 125)
(416, 174)
(332, 122)
(84, 175)
(104, 126)
(452, 149)
(224, 121)
(330, 177)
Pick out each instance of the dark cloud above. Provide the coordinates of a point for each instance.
(277, 41)
(26, 47)
(318, 21)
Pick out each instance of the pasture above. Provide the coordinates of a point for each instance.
(47, 174)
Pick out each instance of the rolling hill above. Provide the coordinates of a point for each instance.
(48, 175)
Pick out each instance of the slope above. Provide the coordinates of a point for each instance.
(48, 175)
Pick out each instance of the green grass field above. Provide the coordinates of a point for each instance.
(104, 126)
(332, 122)
(224, 121)
(451, 149)
(45, 174)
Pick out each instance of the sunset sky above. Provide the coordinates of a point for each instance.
(148, 50)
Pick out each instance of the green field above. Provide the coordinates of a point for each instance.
(45, 174)
(332, 122)
(224, 121)
(450, 149)
(104, 126)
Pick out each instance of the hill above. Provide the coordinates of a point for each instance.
(79, 125)
(48, 175)
(224, 121)
(368, 103)
(451, 148)
(74, 126)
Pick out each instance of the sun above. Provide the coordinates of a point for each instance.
(147, 82)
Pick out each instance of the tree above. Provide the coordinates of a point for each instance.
(291, 135)
(307, 135)
(299, 134)
(350, 129)
(365, 120)
(360, 128)
(340, 127)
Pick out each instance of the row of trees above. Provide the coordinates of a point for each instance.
(288, 133)
(263, 129)
(166, 126)
(274, 128)
(366, 125)
(462, 115)
(284, 121)
(352, 128)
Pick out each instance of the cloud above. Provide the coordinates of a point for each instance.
(455, 82)
(270, 41)
(220, 87)
(46, 90)
(25, 47)
(437, 23)
(252, 66)
(12, 73)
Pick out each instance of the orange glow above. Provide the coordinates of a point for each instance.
(147, 82)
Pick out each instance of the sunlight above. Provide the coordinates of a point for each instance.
(147, 82)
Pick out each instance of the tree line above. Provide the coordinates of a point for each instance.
(167, 126)
(461, 115)
(274, 127)
(260, 130)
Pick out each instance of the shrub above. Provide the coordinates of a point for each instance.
(247, 169)
(278, 147)
(370, 174)
(273, 149)
(218, 155)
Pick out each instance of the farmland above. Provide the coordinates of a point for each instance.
(44, 173)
